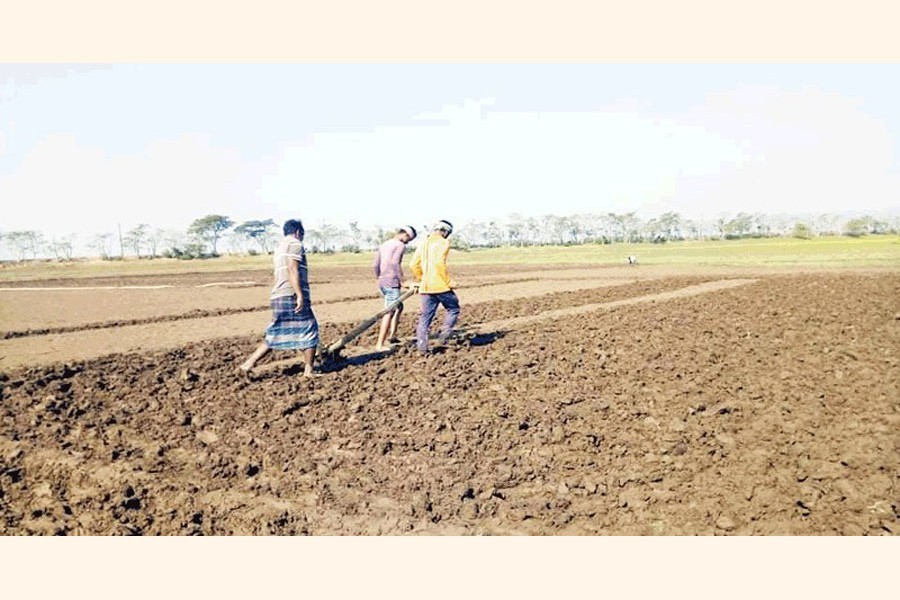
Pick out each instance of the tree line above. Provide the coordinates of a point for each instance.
(212, 235)
(607, 228)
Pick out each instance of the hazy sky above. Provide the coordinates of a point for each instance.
(85, 148)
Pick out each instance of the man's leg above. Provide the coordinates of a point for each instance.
(383, 331)
(450, 302)
(395, 323)
(260, 351)
(309, 355)
(429, 307)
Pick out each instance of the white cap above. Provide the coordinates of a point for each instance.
(444, 226)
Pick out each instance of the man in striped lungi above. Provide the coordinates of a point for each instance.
(294, 326)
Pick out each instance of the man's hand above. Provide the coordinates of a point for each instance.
(300, 304)
(413, 286)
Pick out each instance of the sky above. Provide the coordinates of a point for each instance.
(86, 148)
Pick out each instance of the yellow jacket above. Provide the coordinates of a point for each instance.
(429, 265)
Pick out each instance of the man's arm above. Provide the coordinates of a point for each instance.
(377, 265)
(294, 278)
(446, 253)
(398, 260)
(415, 266)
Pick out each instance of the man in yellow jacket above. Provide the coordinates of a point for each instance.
(429, 267)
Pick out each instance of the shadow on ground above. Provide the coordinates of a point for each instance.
(460, 339)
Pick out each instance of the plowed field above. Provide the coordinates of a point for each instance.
(669, 405)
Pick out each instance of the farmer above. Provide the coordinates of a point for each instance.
(429, 267)
(294, 326)
(389, 272)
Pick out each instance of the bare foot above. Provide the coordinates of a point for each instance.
(385, 348)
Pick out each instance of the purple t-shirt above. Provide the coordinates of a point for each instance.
(387, 263)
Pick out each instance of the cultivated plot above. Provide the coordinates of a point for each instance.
(700, 407)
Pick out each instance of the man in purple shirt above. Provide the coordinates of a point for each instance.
(390, 279)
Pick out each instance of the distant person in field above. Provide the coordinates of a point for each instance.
(389, 271)
(632, 260)
(294, 326)
(429, 267)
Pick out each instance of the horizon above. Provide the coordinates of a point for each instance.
(592, 227)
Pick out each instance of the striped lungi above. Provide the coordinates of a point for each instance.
(291, 330)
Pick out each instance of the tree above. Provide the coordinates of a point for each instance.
(802, 231)
(209, 229)
(494, 235)
(24, 242)
(459, 243)
(858, 227)
(654, 231)
(514, 230)
(314, 240)
(329, 236)
(102, 243)
(781, 224)
(35, 240)
(257, 231)
(234, 242)
(572, 226)
(554, 228)
(739, 226)
(624, 228)
(136, 237)
(592, 226)
(325, 238)
(476, 233)
(720, 225)
(761, 226)
(532, 231)
(61, 249)
(616, 227)
(694, 229)
(671, 226)
(154, 239)
(632, 227)
(880, 227)
(173, 241)
(13, 241)
(827, 224)
(356, 238)
(376, 236)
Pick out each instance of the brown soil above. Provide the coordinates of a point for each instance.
(263, 276)
(769, 408)
(195, 313)
(76, 324)
(35, 308)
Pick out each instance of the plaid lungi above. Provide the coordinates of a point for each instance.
(290, 330)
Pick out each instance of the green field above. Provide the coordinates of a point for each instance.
(874, 251)
(827, 252)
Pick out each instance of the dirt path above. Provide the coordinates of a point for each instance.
(517, 322)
